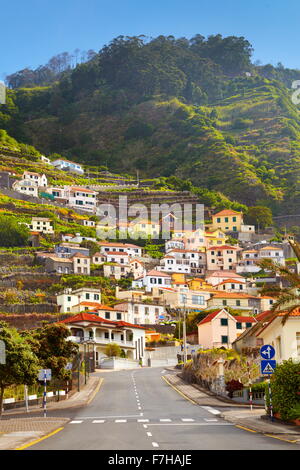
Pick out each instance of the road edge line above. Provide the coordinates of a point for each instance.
(94, 393)
(178, 391)
(244, 428)
(280, 438)
(40, 439)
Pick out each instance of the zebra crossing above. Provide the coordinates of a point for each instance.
(149, 422)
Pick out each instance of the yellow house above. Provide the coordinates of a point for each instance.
(198, 283)
(233, 300)
(215, 237)
(144, 229)
(178, 277)
(227, 221)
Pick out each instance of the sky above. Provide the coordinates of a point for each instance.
(32, 31)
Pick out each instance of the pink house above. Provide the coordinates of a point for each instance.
(220, 329)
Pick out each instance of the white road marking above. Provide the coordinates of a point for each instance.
(149, 434)
(210, 420)
(106, 417)
(155, 444)
(211, 410)
(191, 424)
(187, 420)
(75, 422)
(143, 420)
(145, 426)
(121, 421)
(98, 421)
(165, 420)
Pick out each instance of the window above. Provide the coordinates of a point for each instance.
(224, 321)
(238, 325)
(233, 219)
(226, 219)
(69, 299)
(87, 296)
(119, 317)
(248, 325)
(224, 339)
(218, 220)
(238, 303)
(224, 302)
(107, 315)
(106, 335)
(198, 299)
(96, 296)
(146, 310)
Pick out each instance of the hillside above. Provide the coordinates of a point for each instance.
(196, 109)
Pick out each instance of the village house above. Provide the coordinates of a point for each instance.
(216, 277)
(235, 301)
(67, 165)
(222, 258)
(284, 337)
(69, 298)
(66, 250)
(184, 261)
(26, 187)
(129, 248)
(141, 313)
(153, 279)
(41, 225)
(39, 180)
(99, 332)
(220, 329)
(75, 264)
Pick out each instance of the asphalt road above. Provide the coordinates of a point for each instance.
(137, 410)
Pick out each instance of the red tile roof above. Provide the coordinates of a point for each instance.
(227, 212)
(89, 317)
(210, 317)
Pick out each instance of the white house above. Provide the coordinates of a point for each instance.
(183, 261)
(37, 179)
(142, 313)
(41, 224)
(67, 299)
(67, 165)
(129, 248)
(153, 279)
(85, 327)
(26, 187)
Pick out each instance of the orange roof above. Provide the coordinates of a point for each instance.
(274, 248)
(210, 317)
(83, 317)
(223, 247)
(125, 245)
(242, 319)
(153, 272)
(227, 212)
(83, 190)
(232, 295)
(118, 253)
(229, 281)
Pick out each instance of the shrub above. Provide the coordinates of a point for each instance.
(232, 386)
(285, 386)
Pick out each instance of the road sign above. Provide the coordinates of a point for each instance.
(68, 366)
(267, 366)
(267, 351)
(45, 374)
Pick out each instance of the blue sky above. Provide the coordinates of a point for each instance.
(32, 31)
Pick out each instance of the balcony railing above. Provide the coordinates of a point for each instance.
(99, 340)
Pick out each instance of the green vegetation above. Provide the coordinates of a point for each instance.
(194, 108)
(285, 385)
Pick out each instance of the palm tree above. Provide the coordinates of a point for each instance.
(288, 298)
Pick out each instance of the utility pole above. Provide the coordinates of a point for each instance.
(184, 331)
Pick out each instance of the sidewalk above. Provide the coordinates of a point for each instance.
(78, 399)
(237, 413)
(17, 432)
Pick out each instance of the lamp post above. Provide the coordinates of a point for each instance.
(184, 330)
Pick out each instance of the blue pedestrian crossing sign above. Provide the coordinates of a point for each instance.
(267, 366)
(267, 351)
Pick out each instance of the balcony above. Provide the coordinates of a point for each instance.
(99, 340)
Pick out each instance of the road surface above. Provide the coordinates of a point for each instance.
(138, 410)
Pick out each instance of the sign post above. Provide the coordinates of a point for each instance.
(268, 365)
(44, 375)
